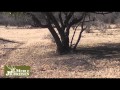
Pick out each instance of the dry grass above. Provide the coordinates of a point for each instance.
(98, 56)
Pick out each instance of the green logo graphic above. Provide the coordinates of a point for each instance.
(16, 70)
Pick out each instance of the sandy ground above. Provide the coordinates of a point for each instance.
(98, 56)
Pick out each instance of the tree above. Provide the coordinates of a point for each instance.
(59, 24)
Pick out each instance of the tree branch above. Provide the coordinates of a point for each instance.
(53, 32)
(68, 17)
(73, 37)
(60, 30)
(82, 29)
(53, 19)
(75, 20)
(61, 20)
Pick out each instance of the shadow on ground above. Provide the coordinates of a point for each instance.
(4, 41)
(8, 50)
(85, 58)
(103, 51)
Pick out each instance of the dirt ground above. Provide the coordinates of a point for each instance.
(98, 54)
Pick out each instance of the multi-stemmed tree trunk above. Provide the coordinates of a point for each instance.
(62, 42)
(62, 37)
(59, 26)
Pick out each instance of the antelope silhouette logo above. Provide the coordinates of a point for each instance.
(11, 68)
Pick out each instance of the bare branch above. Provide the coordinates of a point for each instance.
(53, 32)
(73, 37)
(53, 19)
(82, 29)
(68, 17)
(61, 20)
(60, 30)
(75, 20)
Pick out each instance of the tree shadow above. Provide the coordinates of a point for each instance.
(103, 51)
(84, 59)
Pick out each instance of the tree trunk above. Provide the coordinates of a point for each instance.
(64, 49)
(63, 44)
(65, 41)
(61, 38)
(66, 45)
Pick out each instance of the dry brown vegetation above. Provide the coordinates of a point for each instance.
(98, 54)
